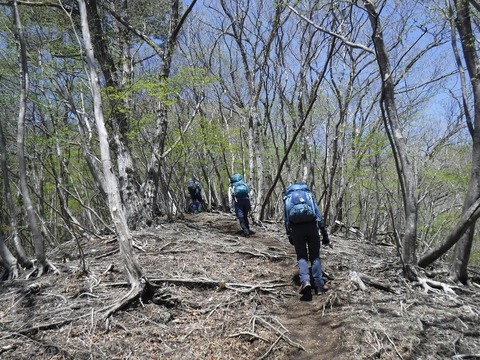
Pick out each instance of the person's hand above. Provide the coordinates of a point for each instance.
(326, 241)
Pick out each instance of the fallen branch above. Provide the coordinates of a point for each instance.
(108, 253)
(281, 333)
(360, 280)
(45, 326)
(350, 229)
(247, 333)
(243, 288)
(264, 356)
(355, 279)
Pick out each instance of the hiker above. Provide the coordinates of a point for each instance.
(302, 222)
(239, 201)
(195, 192)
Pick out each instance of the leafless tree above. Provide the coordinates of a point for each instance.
(136, 277)
(20, 251)
(462, 233)
(43, 264)
(405, 167)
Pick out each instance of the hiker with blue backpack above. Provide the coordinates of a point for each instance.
(239, 201)
(195, 191)
(303, 220)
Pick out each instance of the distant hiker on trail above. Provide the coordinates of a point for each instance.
(239, 201)
(302, 222)
(195, 191)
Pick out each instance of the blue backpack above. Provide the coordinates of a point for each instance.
(193, 186)
(240, 187)
(299, 207)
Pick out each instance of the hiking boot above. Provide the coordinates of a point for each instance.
(319, 290)
(305, 287)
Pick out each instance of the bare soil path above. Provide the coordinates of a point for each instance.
(223, 296)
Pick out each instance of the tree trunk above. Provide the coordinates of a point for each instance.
(405, 168)
(116, 82)
(309, 106)
(9, 261)
(42, 263)
(149, 188)
(463, 247)
(20, 252)
(133, 269)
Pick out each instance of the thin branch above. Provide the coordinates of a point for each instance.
(335, 35)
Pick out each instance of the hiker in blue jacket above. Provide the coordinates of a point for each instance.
(239, 201)
(303, 220)
(195, 191)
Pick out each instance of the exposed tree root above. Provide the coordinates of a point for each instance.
(434, 286)
(42, 269)
(9, 274)
(141, 291)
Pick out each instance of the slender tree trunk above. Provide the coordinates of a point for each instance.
(463, 247)
(133, 269)
(309, 106)
(466, 222)
(405, 167)
(20, 252)
(150, 187)
(42, 263)
(9, 261)
(461, 236)
(116, 79)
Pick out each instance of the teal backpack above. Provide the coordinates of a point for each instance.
(240, 187)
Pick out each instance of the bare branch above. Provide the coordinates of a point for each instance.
(335, 35)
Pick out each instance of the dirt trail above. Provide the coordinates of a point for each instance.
(223, 296)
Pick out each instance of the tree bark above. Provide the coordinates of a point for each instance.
(9, 261)
(42, 263)
(252, 68)
(466, 222)
(20, 251)
(405, 167)
(309, 106)
(116, 82)
(150, 187)
(133, 269)
(463, 247)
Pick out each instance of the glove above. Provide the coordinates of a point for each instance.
(290, 239)
(326, 240)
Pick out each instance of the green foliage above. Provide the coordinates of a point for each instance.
(166, 90)
(448, 177)
(475, 256)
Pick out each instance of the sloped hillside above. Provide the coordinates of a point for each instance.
(223, 296)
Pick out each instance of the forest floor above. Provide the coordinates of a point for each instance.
(223, 296)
